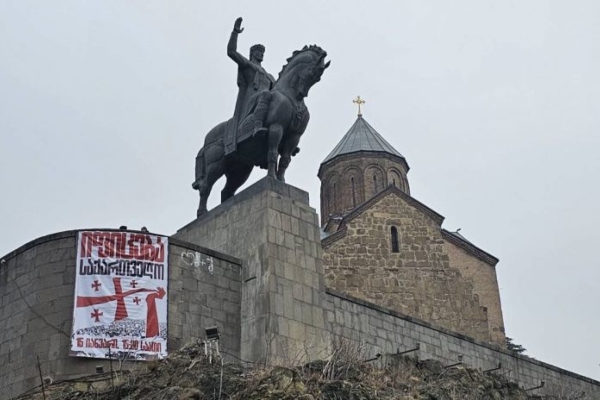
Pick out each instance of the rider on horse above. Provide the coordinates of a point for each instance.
(253, 82)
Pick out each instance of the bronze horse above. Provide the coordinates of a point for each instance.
(285, 121)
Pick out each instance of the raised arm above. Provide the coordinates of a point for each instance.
(232, 45)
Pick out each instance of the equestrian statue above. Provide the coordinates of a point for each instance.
(269, 118)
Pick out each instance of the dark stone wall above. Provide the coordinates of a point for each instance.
(37, 297)
(201, 297)
(37, 289)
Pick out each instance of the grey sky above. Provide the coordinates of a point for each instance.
(104, 104)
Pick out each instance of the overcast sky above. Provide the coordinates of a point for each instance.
(495, 105)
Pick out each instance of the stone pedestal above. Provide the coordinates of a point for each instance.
(272, 228)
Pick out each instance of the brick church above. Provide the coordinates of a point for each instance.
(383, 246)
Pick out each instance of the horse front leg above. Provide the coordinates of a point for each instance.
(288, 149)
(275, 135)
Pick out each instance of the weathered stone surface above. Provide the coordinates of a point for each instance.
(380, 330)
(352, 179)
(288, 315)
(485, 286)
(281, 318)
(37, 290)
(418, 280)
(435, 275)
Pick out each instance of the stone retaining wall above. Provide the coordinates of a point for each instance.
(36, 308)
(386, 332)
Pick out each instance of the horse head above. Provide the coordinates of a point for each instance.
(303, 69)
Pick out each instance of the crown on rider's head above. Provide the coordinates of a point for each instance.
(257, 47)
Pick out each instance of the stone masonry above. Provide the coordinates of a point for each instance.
(273, 229)
(384, 331)
(390, 249)
(419, 279)
(287, 313)
(37, 297)
(479, 268)
(352, 179)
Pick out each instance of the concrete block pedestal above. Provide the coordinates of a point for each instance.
(271, 226)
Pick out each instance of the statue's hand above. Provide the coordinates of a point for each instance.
(237, 27)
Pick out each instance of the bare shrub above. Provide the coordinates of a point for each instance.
(555, 392)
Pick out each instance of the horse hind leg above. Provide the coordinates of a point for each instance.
(213, 170)
(284, 162)
(200, 169)
(236, 177)
(288, 149)
(204, 190)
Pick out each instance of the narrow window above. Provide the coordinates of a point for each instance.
(334, 198)
(374, 184)
(353, 192)
(394, 181)
(395, 246)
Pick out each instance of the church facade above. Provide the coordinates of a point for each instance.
(382, 245)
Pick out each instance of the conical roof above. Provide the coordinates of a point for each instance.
(361, 137)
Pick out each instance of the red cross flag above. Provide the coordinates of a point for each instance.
(120, 295)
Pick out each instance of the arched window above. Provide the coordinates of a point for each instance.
(395, 243)
(394, 182)
(374, 184)
(353, 192)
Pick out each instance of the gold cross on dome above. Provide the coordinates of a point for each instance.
(359, 101)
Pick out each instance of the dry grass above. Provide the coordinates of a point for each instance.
(344, 374)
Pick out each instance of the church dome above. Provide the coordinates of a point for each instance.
(361, 137)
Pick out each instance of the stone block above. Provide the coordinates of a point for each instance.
(286, 223)
(297, 311)
(307, 317)
(318, 318)
(288, 305)
(297, 330)
(298, 291)
(278, 303)
(283, 326)
(307, 294)
(274, 219)
(289, 271)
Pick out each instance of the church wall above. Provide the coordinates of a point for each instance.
(485, 286)
(417, 281)
(36, 310)
(384, 331)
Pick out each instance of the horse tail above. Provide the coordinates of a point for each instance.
(200, 169)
